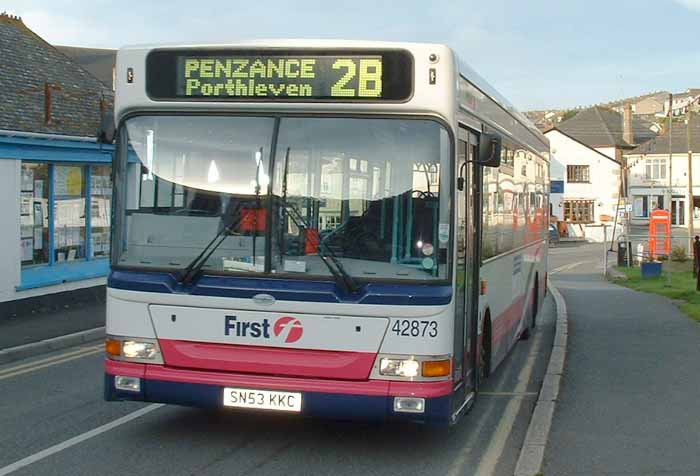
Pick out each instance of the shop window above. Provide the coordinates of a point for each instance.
(656, 201)
(640, 206)
(34, 214)
(55, 225)
(578, 211)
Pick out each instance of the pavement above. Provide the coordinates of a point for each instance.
(628, 401)
(55, 317)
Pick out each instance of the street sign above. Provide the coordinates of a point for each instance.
(557, 186)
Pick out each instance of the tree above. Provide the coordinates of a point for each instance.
(569, 114)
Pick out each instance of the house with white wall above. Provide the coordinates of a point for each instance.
(586, 170)
(652, 182)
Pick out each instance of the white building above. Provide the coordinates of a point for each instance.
(586, 170)
(649, 184)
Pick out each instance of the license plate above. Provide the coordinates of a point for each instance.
(263, 399)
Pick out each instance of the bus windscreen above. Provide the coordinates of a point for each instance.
(340, 76)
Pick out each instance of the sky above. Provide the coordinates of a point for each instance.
(539, 54)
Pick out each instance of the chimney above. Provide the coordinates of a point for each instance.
(48, 104)
(627, 134)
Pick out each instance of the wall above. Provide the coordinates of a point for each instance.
(680, 171)
(603, 187)
(9, 231)
(649, 106)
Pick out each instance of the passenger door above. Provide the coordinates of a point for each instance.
(464, 374)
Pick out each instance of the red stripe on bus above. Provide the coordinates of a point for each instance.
(504, 322)
(267, 360)
(126, 369)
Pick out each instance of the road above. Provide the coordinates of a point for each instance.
(53, 420)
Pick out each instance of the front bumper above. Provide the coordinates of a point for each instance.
(322, 398)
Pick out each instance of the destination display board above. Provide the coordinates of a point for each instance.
(289, 75)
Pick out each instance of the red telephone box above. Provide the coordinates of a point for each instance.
(660, 233)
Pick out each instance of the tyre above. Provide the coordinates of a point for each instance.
(525, 335)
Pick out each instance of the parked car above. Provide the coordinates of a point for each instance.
(553, 235)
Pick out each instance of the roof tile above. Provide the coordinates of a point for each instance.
(601, 127)
(26, 65)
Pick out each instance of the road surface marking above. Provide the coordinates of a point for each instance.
(458, 465)
(11, 468)
(567, 267)
(48, 362)
(53, 357)
(488, 463)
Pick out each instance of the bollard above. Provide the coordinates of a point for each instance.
(640, 253)
(605, 250)
(696, 262)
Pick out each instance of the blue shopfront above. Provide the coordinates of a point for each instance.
(56, 221)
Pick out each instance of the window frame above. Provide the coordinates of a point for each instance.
(574, 170)
(655, 168)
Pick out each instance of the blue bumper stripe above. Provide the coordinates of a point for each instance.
(315, 404)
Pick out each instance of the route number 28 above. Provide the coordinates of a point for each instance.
(370, 78)
(415, 328)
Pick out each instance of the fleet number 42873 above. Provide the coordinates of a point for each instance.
(415, 328)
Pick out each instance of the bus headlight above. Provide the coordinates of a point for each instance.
(414, 368)
(133, 349)
(399, 367)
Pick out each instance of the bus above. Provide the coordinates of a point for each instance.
(336, 229)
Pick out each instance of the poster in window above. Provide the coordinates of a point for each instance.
(68, 181)
(75, 237)
(38, 213)
(25, 203)
(70, 212)
(26, 220)
(38, 188)
(60, 237)
(26, 249)
(38, 239)
(27, 179)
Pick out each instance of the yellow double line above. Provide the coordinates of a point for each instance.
(50, 361)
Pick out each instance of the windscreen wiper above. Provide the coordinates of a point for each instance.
(342, 277)
(190, 271)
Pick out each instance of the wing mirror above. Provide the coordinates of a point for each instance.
(106, 132)
(489, 150)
